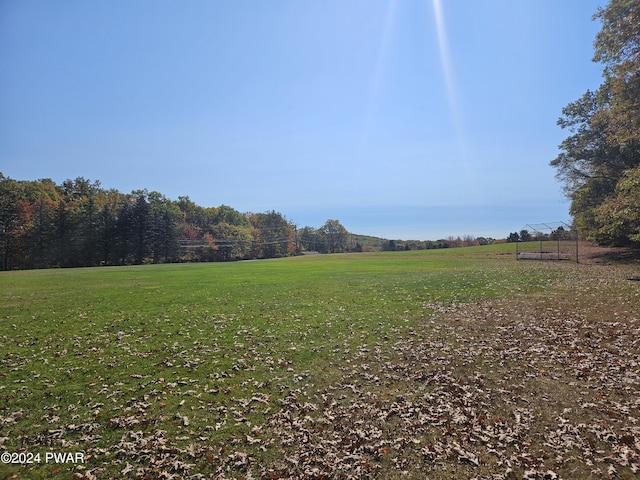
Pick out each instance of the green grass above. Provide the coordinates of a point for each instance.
(143, 367)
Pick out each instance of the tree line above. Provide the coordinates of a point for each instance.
(79, 223)
(556, 235)
(449, 242)
(599, 163)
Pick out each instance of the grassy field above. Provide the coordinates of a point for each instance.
(460, 363)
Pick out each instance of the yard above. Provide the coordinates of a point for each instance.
(433, 364)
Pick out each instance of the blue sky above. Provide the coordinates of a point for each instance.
(405, 119)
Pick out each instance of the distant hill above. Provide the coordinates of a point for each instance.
(367, 242)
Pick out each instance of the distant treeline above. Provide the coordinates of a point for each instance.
(556, 235)
(449, 242)
(79, 223)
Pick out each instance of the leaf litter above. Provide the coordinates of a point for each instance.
(544, 387)
(539, 386)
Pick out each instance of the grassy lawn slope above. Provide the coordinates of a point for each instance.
(460, 363)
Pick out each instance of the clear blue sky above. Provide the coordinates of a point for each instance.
(406, 119)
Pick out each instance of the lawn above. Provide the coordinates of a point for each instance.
(456, 363)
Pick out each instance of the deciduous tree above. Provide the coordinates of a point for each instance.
(335, 235)
(604, 146)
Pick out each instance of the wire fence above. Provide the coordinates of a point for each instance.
(548, 241)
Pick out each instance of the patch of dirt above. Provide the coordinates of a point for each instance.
(603, 254)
